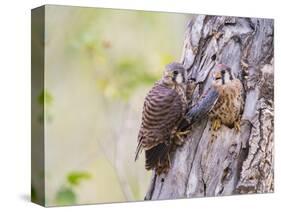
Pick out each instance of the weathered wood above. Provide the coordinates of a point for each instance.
(233, 162)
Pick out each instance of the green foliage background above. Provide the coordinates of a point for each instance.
(99, 64)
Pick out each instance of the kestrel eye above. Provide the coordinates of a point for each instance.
(223, 71)
(175, 72)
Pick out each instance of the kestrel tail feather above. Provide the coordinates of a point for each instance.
(139, 149)
(156, 155)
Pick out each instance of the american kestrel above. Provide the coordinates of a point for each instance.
(223, 102)
(164, 107)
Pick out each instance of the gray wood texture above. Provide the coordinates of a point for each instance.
(233, 163)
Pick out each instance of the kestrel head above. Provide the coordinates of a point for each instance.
(174, 74)
(222, 74)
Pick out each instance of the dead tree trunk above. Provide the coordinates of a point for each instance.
(234, 162)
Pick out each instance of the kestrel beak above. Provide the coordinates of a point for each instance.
(217, 75)
(169, 74)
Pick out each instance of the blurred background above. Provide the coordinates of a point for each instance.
(99, 65)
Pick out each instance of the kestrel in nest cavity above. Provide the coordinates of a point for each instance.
(163, 110)
(223, 102)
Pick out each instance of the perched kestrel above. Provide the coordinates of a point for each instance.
(223, 102)
(163, 110)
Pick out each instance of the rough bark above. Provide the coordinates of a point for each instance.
(234, 162)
